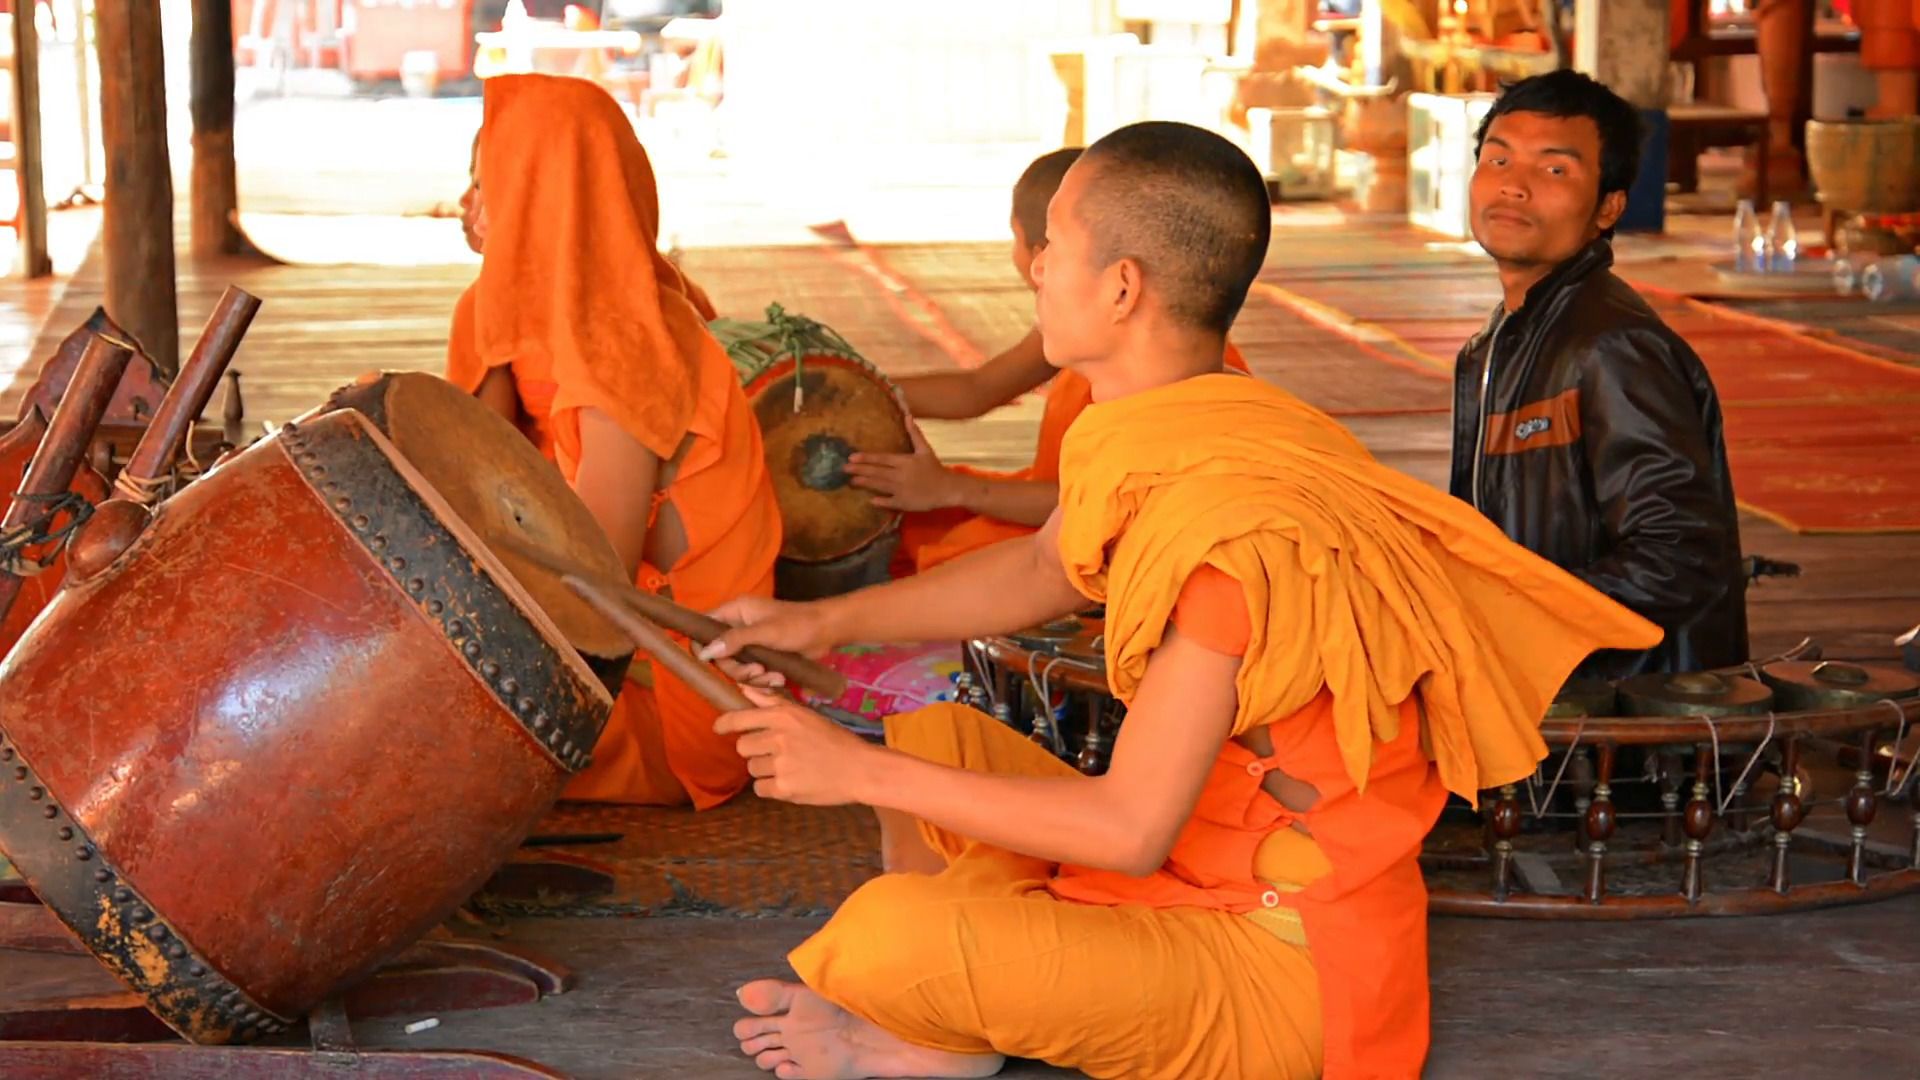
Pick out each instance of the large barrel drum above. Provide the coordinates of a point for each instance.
(298, 720)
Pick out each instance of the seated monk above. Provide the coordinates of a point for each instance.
(1313, 649)
(584, 335)
(954, 509)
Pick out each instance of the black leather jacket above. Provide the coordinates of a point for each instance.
(1601, 451)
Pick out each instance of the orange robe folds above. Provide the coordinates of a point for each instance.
(929, 538)
(1395, 647)
(575, 299)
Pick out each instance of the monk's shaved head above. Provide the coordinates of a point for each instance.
(1186, 205)
(1035, 188)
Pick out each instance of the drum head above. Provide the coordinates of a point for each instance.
(504, 491)
(845, 407)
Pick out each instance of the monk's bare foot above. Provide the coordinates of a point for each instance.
(796, 1034)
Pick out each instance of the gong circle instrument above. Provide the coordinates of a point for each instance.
(1783, 785)
(819, 402)
(1050, 682)
(306, 672)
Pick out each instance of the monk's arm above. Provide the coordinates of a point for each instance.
(1125, 820)
(963, 395)
(497, 392)
(616, 479)
(999, 589)
(1023, 502)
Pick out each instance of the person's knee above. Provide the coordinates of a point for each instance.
(891, 933)
(940, 732)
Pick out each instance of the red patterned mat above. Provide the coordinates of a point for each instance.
(1821, 436)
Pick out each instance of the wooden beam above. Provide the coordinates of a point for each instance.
(137, 230)
(26, 145)
(215, 194)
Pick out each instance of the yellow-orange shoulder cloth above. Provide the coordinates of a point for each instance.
(1375, 604)
(931, 538)
(1358, 577)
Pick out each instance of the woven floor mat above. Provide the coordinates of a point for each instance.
(750, 858)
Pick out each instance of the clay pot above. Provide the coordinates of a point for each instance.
(1866, 166)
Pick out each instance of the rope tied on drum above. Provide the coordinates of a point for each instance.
(754, 347)
(40, 530)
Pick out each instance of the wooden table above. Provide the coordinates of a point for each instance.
(1693, 128)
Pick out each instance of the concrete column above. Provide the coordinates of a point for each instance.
(1625, 44)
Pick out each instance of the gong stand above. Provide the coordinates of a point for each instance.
(89, 1034)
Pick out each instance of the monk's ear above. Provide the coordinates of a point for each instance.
(1126, 279)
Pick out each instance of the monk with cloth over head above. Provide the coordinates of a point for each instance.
(954, 509)
(1314, 650)
(583, 334)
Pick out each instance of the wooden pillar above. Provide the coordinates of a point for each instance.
(1783, 37)
(1281, 38)
(215, 194)
(26, 145)
(137, 230)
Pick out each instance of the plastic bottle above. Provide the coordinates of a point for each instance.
(1897, 278)
(1783, 243)
(1749, 244)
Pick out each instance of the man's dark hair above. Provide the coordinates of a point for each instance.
(1568, 94)
(1190, 207)
(1035, 188)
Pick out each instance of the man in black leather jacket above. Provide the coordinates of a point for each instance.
(1593, 437)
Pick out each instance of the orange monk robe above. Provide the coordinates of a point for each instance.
(929, 538)
(575, 299)
(1396, 646)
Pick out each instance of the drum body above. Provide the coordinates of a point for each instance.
(286, 733)
(818, 402)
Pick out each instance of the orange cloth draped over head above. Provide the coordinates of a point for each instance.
(576, 300)
(932, 537)
(572, 273)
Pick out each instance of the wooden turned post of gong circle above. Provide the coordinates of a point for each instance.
(1860, 810)
(1005, 694)
(1042, 733)
(1580, 777)
(1737, 810)
(1504, 823)
(1600, 824)
(1667, 765)
(1092, 759)
(1698, 824)
(1787, 812)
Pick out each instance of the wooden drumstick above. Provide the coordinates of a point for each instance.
(719, 691)
(64, 445)
(809, 674)
(192, 388)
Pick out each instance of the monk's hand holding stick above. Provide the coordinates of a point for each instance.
(910, 482)
(796, 755)
(800, 628)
